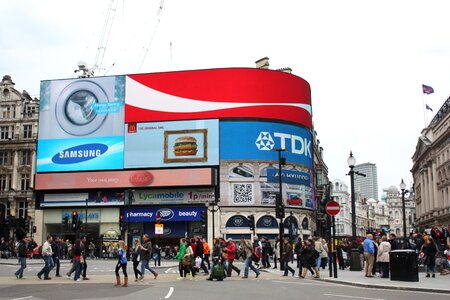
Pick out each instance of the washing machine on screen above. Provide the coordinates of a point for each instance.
(87, 107)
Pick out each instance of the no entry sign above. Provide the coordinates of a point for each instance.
(332, 208)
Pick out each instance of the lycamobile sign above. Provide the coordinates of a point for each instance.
(173, 197)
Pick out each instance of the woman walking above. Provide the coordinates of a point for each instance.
(136, 258)
(430, 250)
(383, 256)
(122, 264)
(188, 259)
(180, 257)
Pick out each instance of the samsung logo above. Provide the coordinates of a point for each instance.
(79, 153)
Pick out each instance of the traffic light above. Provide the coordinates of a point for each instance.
(121, 223)
(74, 220)
(279, 207)
(203, 216)
(251, 219)
(34, 229)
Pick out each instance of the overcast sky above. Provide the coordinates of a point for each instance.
(365, 60)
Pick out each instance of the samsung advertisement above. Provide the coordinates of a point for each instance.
(172, 144)
(81, 124)
(259, 140)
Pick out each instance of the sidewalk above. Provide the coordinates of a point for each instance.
(14, 261)
(440, 284)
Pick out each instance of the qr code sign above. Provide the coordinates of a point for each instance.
(243, 193)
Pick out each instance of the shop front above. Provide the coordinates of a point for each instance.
(174, 223)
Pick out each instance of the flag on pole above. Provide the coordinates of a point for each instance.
(427, 89)
(429, 108)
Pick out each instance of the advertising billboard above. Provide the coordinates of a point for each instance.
(289, 176)
(81, 124)
(174, 196)
(218, 93)
(93, 198)
(124, 179)
(171, 144)
(172, 214)
(259, 140)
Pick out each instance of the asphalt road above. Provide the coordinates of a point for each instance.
(267, 286)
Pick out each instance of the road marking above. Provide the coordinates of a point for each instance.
(353, 297)
(168, 270)
(299, 283)
(169, 294)
(27, 297)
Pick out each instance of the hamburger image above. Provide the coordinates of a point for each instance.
(185, 146)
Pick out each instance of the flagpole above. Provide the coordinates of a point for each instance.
(424, 111)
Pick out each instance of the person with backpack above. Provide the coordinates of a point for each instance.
(248, 251)
(217, 268)
(231, 252)
(47, 256)
(22, 256)
(146, 248)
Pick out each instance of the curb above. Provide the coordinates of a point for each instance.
(388, 287)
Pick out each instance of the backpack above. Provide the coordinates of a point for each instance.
(256, 255)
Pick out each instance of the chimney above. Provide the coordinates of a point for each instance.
(285, 70)
(262, 63)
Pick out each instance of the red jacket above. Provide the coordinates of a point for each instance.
(231, 250)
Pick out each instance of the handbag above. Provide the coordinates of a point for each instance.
(186, 260)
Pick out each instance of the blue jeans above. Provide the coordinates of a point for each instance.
(48, 266)
(78, 268)
(57, 264)
(23, 265)
(144, 265)
(287, 268)
(248, 264)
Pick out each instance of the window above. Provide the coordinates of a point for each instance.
(5, 182)
(25, 182)
(6, 112)
(8, 209)
(25, 157)
(27, 131)
(30, 110)
(23, 209)
(5, 158)
(4, 132)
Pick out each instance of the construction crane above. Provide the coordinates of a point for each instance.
(147, 47)
(102, 44)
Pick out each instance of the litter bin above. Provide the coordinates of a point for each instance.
(403, 265)
(355, 260)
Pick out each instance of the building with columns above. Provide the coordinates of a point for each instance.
(431, 171)
(18, 134)
(341, 194)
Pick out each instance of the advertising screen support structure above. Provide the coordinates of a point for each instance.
(279, 209)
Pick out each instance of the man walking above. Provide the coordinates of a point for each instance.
(369, 251)
(146, 249)
(286, 257)
(47, 256)
(85, 248)
(56, 255)
(22, 255)
(231, 252)
(248, 250)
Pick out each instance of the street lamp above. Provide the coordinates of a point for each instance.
(404, 191)
(355, 261)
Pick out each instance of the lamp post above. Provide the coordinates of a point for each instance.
(351, 163)
(213, 210)
(279, 204)
(355, 261)
(404, 191)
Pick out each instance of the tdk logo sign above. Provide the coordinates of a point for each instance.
(298, 145)
(79, 153)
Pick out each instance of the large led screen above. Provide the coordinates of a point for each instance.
(81, 124)
(125, 179)
(242, 140)
(218, 93)
(172, 144)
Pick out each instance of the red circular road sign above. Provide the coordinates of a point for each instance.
(332, 208)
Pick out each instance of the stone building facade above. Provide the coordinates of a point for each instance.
(431, 171)
(18, 134)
